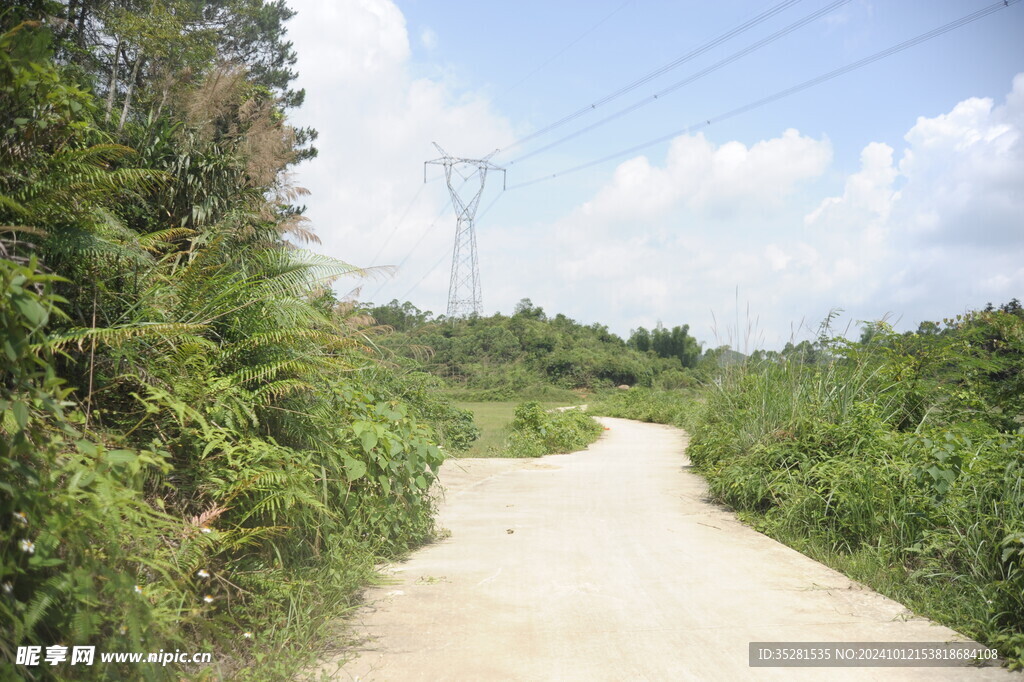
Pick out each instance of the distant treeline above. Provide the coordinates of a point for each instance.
(510, 355)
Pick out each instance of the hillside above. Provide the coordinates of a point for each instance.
(533, 355)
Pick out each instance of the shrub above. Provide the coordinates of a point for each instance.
(534, 432)
(898, 459)
(646, 405)
(884, 459)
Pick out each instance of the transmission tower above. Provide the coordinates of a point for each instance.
(464, 288)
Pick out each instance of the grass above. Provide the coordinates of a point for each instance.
(881, 466)
(896, 460)
(493, 419)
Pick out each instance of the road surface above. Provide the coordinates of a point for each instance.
(610, 564)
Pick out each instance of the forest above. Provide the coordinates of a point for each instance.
(201, 448)
(528, 354)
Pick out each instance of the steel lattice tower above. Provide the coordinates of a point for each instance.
(464, 288)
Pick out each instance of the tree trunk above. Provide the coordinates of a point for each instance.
(113, 81)
(131, 88)
(81, 23)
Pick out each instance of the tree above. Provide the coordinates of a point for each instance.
(668, 343)
(525, 308)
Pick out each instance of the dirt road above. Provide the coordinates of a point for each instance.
(610, 565)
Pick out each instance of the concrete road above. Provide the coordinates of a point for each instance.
(609, 564)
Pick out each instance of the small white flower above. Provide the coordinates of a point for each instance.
(247, 635)
(138, 589)
(123, 630)
(21, 518)
(208, 599)
(27, 546)
(203, 573)
(205, 530)
(8, 587)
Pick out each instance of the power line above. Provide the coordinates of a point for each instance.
(444, 209)
(423, 235)
(745, 26)
(945, 28)
(566, 48)
(444, 256)
(489, 206)
(398, 224)
(690, 79)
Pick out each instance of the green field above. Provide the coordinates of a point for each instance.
(492, 418)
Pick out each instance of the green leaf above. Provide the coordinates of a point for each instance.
(20, 413)
(121, 456)
(354, 469)
(82, 479)
(369, 439)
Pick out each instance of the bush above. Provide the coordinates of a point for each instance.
(534, 432)
(424, 394)
(898, 460)
(884, 459)
(646, 405)
(208, 531)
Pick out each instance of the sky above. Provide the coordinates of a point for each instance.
(895, 191)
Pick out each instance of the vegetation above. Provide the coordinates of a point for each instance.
(493, 419)
(198, 436)
(535, 432)
(531, 356)
(646, 405)
(898, 459)
(194, 433)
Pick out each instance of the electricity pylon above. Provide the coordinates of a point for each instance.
(464, 288)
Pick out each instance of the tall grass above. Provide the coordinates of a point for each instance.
(881, 459)
(894, 459)
(675, 407)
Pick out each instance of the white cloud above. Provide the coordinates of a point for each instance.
(428, 38)
(723, 180)
(952, 236)
(376, 121)
(921, 231)
(926, 226)
(349, 41)
(868, 194)
(965, 172)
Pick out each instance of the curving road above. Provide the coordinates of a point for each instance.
(609, 564)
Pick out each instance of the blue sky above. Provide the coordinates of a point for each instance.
(896, 190)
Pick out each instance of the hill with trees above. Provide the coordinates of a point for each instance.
(531, 354)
